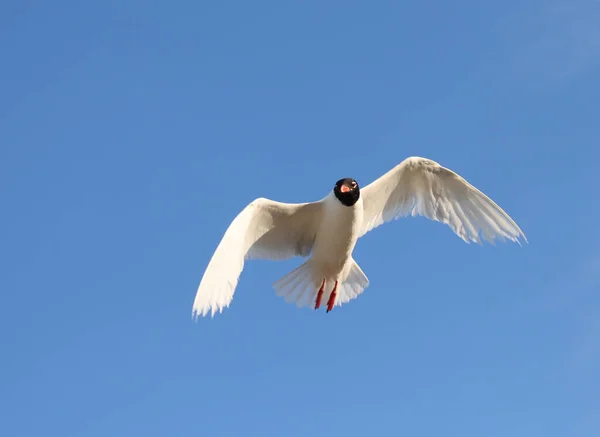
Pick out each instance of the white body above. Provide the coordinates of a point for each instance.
(335, 240)
(327, 231)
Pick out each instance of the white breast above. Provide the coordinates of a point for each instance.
(336, 237)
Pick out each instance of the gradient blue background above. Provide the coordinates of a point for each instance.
(132, 133)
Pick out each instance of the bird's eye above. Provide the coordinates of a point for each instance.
(354, 183)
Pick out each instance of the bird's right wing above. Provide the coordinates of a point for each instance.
(420, 186)
(265, 229)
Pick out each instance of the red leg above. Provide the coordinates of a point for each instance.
(320, 295)
(332, 297)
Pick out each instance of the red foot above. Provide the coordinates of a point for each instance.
(320, 295)
(332, 297)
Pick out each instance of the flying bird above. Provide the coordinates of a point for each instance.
(328, 230)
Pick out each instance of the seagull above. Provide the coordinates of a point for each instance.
(328, 230)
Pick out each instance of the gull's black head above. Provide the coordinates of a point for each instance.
(347, 191)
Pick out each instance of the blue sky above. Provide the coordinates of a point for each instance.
(133, 133)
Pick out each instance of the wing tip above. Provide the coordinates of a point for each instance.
(524, 238)
(480, 237)
(212, 308)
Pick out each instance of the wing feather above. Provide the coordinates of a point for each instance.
(265, 229)
(420, 186)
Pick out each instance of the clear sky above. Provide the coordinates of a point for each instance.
(133, 132)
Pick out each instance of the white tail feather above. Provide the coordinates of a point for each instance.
(301, 285)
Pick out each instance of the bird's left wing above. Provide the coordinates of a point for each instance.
(265, 229)
(420, 186)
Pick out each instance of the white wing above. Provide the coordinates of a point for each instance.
(420, 186)
(265, 229)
